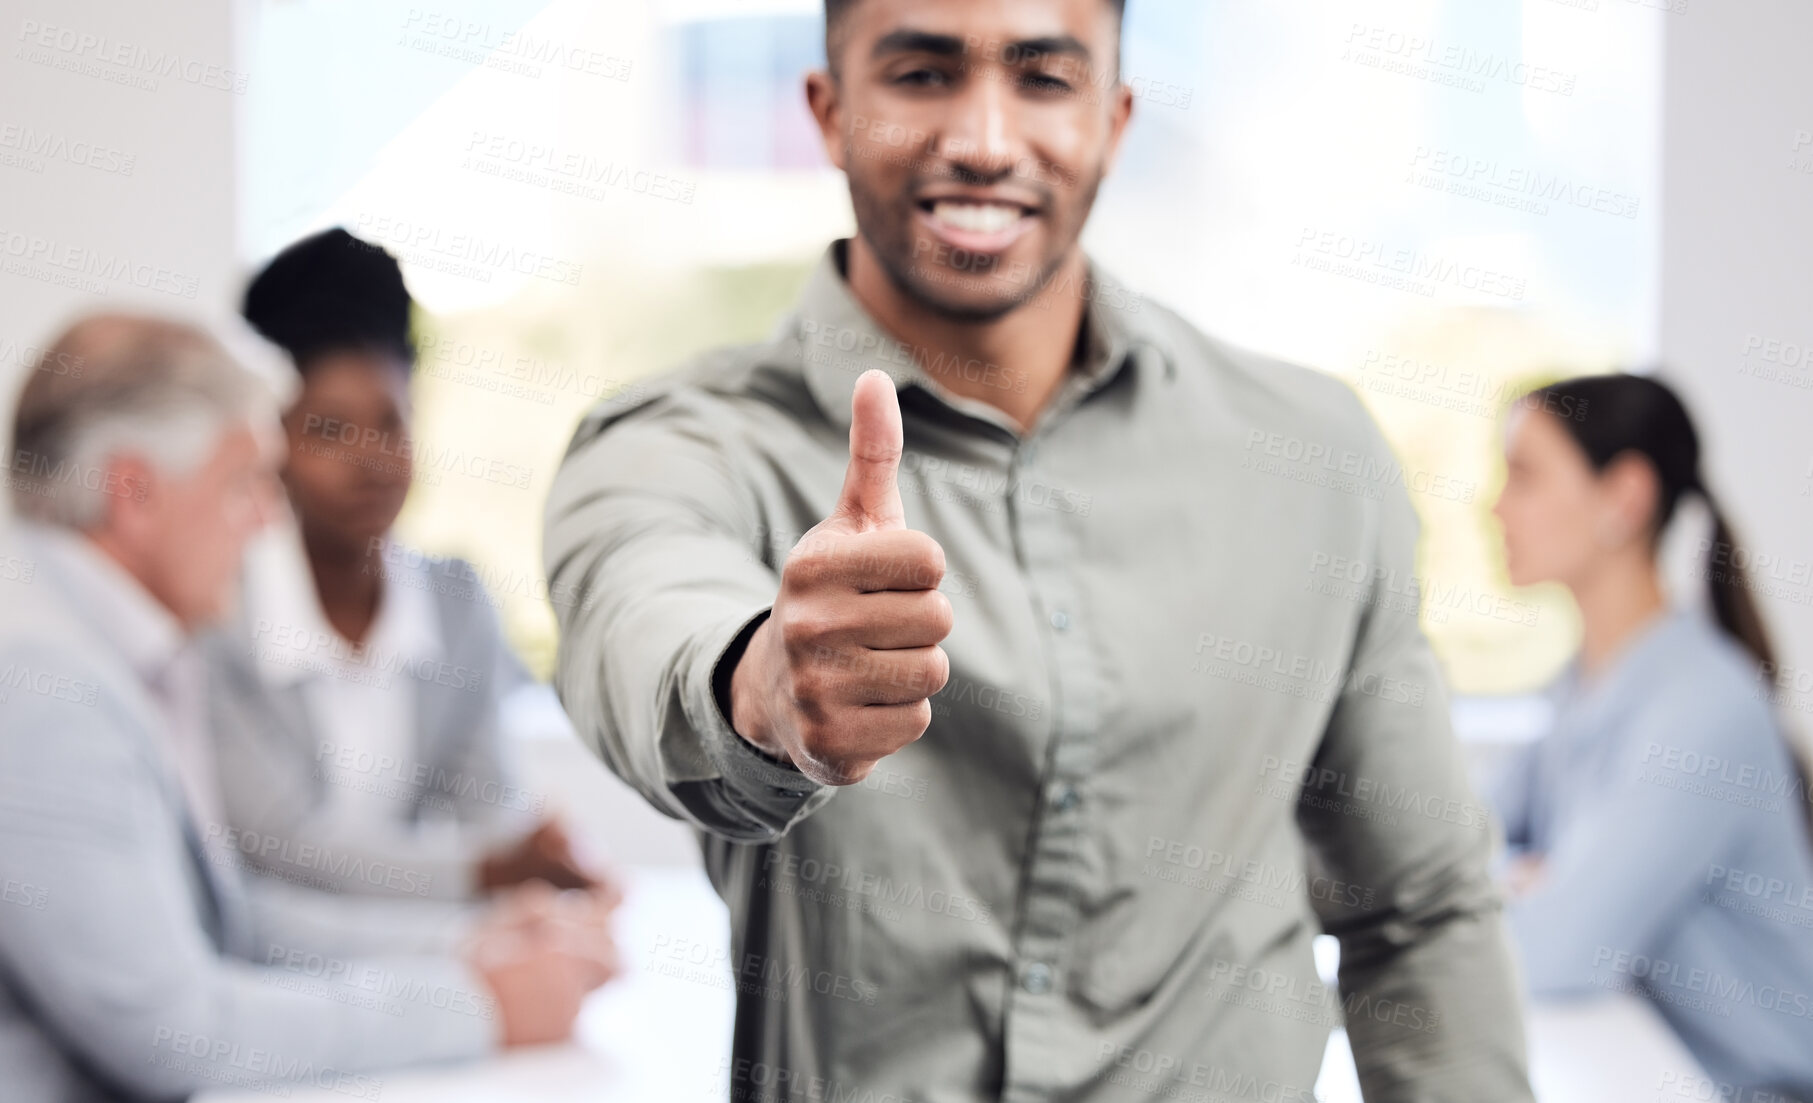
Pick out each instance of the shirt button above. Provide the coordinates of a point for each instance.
(1036, 978)
(1066, 798)
(1060, 619)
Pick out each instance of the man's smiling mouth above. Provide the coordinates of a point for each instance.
(976, 225)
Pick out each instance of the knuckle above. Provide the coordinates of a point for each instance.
(805, 626)
(807, 567)
(810, 689)
(930, 555)
(942, 617)
(940, 664)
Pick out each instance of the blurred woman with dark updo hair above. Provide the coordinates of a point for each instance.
(1658, 832)
(359, 712)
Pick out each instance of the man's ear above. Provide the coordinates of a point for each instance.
(1120, 112)
(824, 98)
(129, 498)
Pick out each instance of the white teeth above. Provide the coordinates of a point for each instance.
(976, 218)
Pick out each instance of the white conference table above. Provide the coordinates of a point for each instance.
(656, 1037)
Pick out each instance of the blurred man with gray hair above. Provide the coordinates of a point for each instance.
(134, 959)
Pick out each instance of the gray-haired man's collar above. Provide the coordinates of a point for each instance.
(115, 604)
(839, 340)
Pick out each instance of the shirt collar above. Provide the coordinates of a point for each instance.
(1633, 657)
(146, 633)
(293, 639)
(839, 340)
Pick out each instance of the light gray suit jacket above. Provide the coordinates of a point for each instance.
(269, 754)
(132, 966)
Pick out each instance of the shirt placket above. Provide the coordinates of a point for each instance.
(1038, 1040)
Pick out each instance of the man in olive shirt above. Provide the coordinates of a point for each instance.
(1039, 701)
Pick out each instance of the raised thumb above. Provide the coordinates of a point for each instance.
(871, 493)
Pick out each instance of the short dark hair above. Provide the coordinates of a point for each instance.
(329, 293)
(835, 10)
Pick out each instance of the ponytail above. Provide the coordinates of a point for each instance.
(1733, 605)
(1728, 588)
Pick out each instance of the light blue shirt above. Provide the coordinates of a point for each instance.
(1678, 863)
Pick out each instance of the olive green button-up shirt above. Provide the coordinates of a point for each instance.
(1191, 723)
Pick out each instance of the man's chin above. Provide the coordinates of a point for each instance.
(964, 296)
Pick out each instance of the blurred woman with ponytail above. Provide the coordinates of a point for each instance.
(1658, 832)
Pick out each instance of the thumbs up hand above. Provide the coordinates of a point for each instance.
(840, 674)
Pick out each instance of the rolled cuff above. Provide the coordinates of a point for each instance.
(766, 795)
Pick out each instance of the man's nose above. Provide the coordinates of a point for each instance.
(982, 136)
(267, 494)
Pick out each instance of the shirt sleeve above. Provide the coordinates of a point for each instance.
(114, 961)
(1635, 857)
(655, 556)
(1509, 792)
(1426, 974)
(288, 917)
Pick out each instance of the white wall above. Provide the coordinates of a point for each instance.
(116, 164)
(1737, 273)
